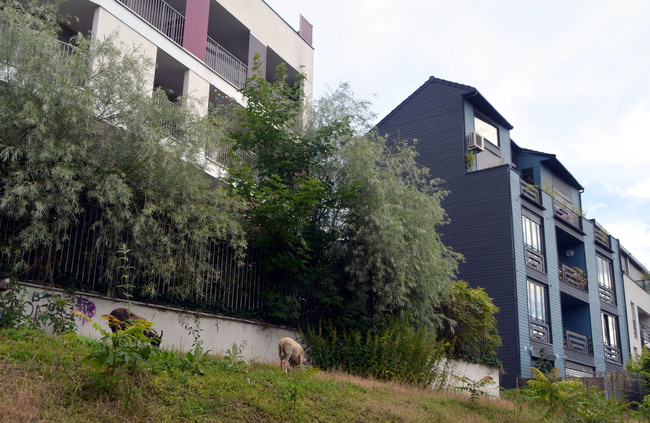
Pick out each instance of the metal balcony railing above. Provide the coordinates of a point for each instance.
(573, 276)
(613, 354)
(565, 213)
(540, 331)
(645, 335)
(161, 16)
(607, 295)
(578, 342)
(534, 259)
(225, 64)
(531, 192)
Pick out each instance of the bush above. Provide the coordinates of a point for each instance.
(471, 326)
(396, 352)
(570, 400)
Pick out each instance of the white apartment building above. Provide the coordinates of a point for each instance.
(200, 47)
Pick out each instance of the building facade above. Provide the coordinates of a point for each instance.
(201, 48)
(516, 216)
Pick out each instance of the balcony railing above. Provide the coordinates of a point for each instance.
(161, 16)
(534, 259)
(565, 213)
(607, 295)
(573, 276)
(613, 354)
(602, 237)
(219, 155)
(540, 331)
(531, 192)
(645, 335)
(578, 342)
(225, 64)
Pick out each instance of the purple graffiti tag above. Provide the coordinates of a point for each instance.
(87, 307)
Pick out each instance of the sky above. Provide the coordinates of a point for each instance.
(572, 77)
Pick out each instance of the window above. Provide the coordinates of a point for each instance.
(605, 273)
(533, 250)
(610, 330)
(486, 130)
(537, 308)
(538, 312)
(532, 234)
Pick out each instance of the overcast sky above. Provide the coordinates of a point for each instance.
(572, 77)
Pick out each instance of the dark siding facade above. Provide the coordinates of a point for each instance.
(479, 205)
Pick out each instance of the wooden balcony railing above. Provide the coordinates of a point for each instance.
(534, 259)
(531, 192)
(607, 295)
(567, 214)
(578, 342)
(573, 276)
(602, 237)
(613, 354)
(540, 331)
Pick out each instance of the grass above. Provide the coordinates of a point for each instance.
(43, 379)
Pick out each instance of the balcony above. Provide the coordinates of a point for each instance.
(531, 192)
(573, 276)
(607, 295)
(534, 259)
(574, 341)
(645, 335)
(565, 213)
(540, 331)
(161, 16)
(602, 237)
(613, 354)
(225, 64)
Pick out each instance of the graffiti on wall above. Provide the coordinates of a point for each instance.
(38, 302)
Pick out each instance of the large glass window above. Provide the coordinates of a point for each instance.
(610, 330)
(605, 272)
(537, 307)
(532, 234)
(487, 131)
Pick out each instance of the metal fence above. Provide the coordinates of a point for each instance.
(161, 16)
(222, 280)
(225, 64)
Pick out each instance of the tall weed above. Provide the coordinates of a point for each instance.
(396, 352)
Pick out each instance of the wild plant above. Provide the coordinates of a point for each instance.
(474, 387)
(123, 351)
(235, 357)
(397, 352)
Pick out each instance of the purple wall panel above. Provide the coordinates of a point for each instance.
(195, 38)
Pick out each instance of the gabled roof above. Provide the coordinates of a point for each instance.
(551, 162)
(470, 94)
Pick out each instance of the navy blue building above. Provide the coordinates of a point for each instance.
(516, 217)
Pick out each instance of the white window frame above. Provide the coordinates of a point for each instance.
(532, 234)
(537, 301)
(610, 330)
(605, 272)
(486, 130)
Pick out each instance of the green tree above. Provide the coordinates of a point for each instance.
(86, 134)
(346, 222)
(471, 325)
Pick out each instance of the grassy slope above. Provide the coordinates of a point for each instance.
(42, 379)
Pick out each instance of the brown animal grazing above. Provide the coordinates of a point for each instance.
(121, 318)
(291, 354)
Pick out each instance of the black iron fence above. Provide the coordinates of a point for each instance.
(221, 279)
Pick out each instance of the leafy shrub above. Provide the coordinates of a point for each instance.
(55, 314)
(397, 352)
(570, 399)
(125, 350)
(471, 326)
